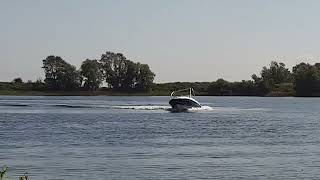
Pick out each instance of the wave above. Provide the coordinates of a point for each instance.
(135, 107)
(15, 105)
(158, 107)
(203, 108)
(71, 106)
(195, 109)
(142, 107)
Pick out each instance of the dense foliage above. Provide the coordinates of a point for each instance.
(114, 72)
(307, 79)
(123, 74)
(223, 87)
(114, 69)
(60, 75)
(92, 74)
(276, 74)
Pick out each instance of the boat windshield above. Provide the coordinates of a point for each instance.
(183, 92)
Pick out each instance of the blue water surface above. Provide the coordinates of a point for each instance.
(105, 137)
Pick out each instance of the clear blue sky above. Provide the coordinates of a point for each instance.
(181, 40)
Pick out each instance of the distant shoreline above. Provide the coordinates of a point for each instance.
(116, 93)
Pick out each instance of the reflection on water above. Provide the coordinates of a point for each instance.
(137, 138)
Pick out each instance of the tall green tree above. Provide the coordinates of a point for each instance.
(123, 74)
(92, 74)
(259, 86)
(130, 78)
(307, 79)
(276, 73)
(145, 77)
(60, 75)
(114, 69)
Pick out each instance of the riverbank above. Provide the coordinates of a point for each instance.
(79, 93)
(114, 93)
(219, 88)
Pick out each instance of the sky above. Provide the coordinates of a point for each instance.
(181, 40)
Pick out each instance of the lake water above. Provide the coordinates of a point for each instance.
(137, 138)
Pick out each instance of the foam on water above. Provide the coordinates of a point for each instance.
(142, 107)
(152, 107)
(158, 107)
(201, 109)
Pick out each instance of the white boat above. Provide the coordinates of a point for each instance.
(183, 102)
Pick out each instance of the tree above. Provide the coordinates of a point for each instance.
(218, 87)
(60, 75)
(277, 73)
(123, 74)
(145, 77)
(243, 88)
(92, 74)
(38, 85)
(256, 79)
(114, 69)
(17, 80)
(130, 78)
(306, 79)
(259, 85)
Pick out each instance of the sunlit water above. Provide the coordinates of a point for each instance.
(138, 138)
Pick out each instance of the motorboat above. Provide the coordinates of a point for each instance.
(183, 102)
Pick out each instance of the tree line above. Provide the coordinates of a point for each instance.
(275, 80)
(113, 71)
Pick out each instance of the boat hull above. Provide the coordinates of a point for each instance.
(182, 104)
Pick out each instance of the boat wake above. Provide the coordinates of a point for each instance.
(142, 107)
(147, 107)
(167, 108)
(202, 108)
(194, 109)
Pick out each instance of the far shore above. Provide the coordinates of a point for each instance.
(116, 93)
